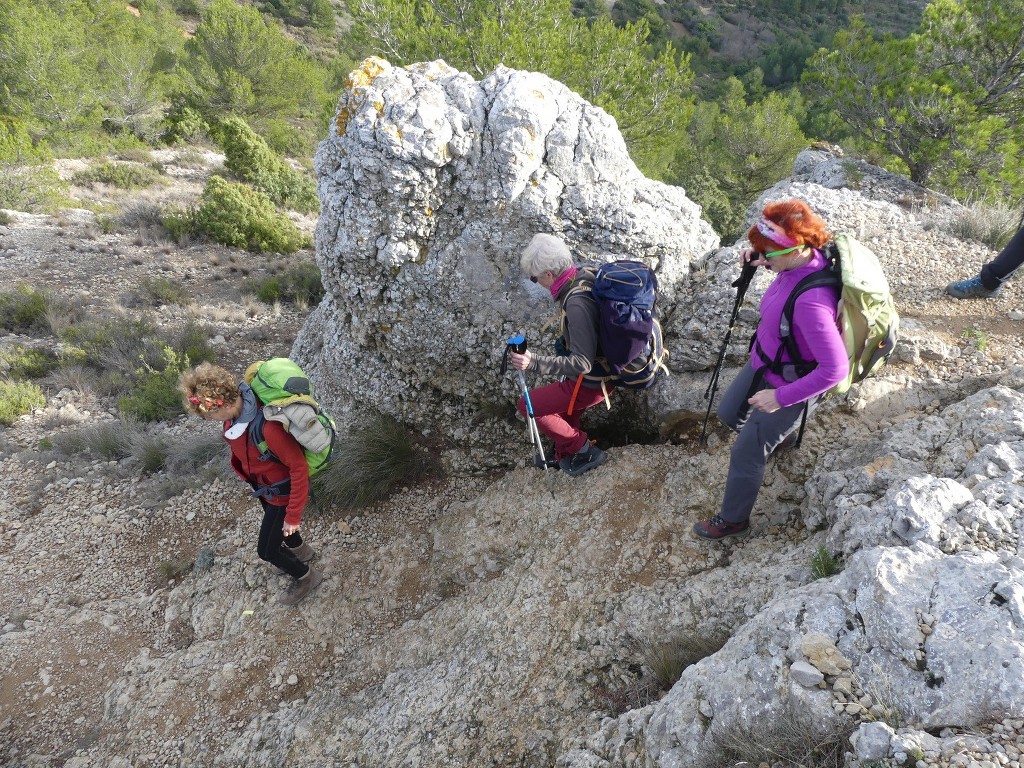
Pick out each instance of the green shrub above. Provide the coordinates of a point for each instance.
(154, 292)
(18, 398)
(5, 219)
(179, 222)
(250, 159)
(115, 344)
(184, 125)
(299, 285)
(121, 175)
(370, 463)
(153, 394)
(193, 342)
(825, 564)
(175, 568)
(27, 363)
(27, 181)
(23, 309)
(239, 216)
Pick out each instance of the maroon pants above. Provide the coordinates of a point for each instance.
(550, 406)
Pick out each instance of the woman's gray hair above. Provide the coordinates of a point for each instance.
(545, 253)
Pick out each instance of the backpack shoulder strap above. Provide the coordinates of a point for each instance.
(256, 437)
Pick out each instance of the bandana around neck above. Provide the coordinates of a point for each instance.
(561, 280)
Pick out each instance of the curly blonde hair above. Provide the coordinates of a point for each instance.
(207, 386)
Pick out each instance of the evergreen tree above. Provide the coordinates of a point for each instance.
(944, 102)
(737, 150)
(615, 68)
(239, 64)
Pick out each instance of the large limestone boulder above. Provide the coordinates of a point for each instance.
(431, 184)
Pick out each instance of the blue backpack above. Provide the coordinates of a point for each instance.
(631, 351)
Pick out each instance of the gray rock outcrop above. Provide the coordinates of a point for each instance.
(431, 184)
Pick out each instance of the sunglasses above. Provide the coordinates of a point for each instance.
(783, 252)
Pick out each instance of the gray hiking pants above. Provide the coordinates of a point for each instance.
(759, 434)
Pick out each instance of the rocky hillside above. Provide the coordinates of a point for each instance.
(519, 618)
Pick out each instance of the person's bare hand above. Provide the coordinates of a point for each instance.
(765, 401)
(520, 362)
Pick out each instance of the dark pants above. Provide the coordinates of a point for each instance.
(272, 537)
(760, 433)
(998, 271)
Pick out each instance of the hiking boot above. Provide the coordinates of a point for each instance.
(299, 588)
(546, 464)
(972, 288)
(587, 458)
(717, 528)
(303, 552)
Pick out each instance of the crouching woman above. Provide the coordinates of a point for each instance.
(280, 478)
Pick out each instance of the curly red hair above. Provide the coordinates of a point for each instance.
(799, 223)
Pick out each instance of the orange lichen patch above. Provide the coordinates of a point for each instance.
(366, 73)
(538, 94)
(356, 83)
(133, 10)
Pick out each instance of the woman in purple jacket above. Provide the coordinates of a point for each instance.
(765, 406)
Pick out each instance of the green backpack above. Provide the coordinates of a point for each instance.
(285, 392)
(867, 316)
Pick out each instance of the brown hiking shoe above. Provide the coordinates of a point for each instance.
(717, 528)
(299, 588)
(303, 552)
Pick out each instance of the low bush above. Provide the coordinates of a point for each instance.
(151, 452)
(153, 394)
(300, 284)
(154, 292)
(18, 398)
(787, 739)
(236, 215)
(668, 659)
(120, 175)
(109, 440)
(990, 224)
(249, 158)
(27, 181)
(23, 309)
(370, 463)
(825, 564)
(27, 363)
(193, 341)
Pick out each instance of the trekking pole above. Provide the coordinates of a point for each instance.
(740, 284)
(517, 344)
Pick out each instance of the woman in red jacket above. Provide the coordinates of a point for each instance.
(280, 480)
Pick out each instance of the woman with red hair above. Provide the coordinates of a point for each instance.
(766, 401)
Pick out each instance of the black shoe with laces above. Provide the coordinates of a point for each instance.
(586, 459)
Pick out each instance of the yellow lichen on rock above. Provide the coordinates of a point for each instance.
(356, 83)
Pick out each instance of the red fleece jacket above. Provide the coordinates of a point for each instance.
(291, 462)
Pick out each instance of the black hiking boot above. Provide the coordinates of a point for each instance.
(584, 460)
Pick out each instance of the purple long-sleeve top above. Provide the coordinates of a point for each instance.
(814, 329)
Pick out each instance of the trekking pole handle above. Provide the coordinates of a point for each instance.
(515, 344)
